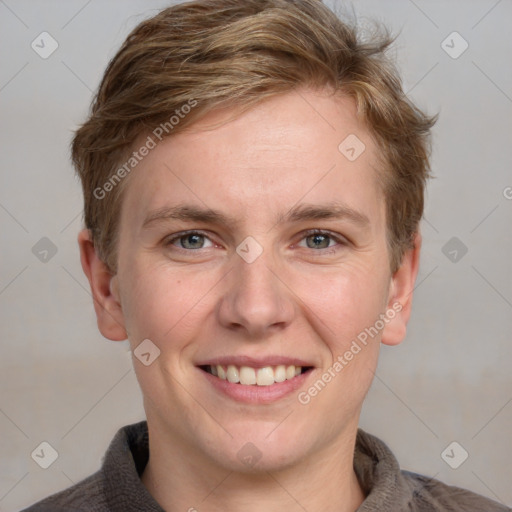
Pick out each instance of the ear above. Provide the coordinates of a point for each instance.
(104, 290)
(400, 295)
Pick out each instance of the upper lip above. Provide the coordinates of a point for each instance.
(254, 362)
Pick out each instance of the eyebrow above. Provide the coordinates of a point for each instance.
(188, 213)
(302, 212)
(330, 211)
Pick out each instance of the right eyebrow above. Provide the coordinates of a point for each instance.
(188, 213)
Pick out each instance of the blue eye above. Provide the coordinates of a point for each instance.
(320, 240)
(190, 241)
(195, 240)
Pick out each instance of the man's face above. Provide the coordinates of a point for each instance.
(257, 243)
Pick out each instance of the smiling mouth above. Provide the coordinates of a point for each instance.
(248, 376)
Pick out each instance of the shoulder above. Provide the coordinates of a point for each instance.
(430, 494)
(86, 495)
(391, 489)
(116, 486)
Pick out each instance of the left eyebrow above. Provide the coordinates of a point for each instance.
(330, 211)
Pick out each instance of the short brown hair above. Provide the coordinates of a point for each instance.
(231, 53)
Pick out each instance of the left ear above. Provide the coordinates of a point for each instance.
(400, 295)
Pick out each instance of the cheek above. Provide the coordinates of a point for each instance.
(343, 303)
(160, 302)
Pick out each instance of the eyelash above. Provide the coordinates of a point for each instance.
(337, 238)
(340, 240)
(169, 241)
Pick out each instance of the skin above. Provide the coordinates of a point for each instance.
(294, 300)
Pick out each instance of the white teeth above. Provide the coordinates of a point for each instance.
(248, 376)
(265, 376)
(232, 374)
(280, 373)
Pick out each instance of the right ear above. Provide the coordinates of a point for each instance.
(104, 290)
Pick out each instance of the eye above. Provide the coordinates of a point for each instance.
(192, 240)
(317, 239)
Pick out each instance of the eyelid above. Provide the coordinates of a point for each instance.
(340, 239)
(170, 239)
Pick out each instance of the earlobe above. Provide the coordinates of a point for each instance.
(104, 289)
(400, 295)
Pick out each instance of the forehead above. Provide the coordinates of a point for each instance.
(302, 147)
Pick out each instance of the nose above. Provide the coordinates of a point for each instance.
(256, 301)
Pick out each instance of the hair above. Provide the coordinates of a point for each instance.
(212, 54)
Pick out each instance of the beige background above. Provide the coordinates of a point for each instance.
(61, 382)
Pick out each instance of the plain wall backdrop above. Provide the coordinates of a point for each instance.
(450, 380)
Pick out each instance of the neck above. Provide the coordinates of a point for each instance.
(325, 481)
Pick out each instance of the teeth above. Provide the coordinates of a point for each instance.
(280, 373)
(221, 373)
(248, 376)
(232, 374)
(265, 376)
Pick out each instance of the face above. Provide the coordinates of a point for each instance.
(258, 249)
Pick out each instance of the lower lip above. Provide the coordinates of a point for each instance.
(257, 394)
